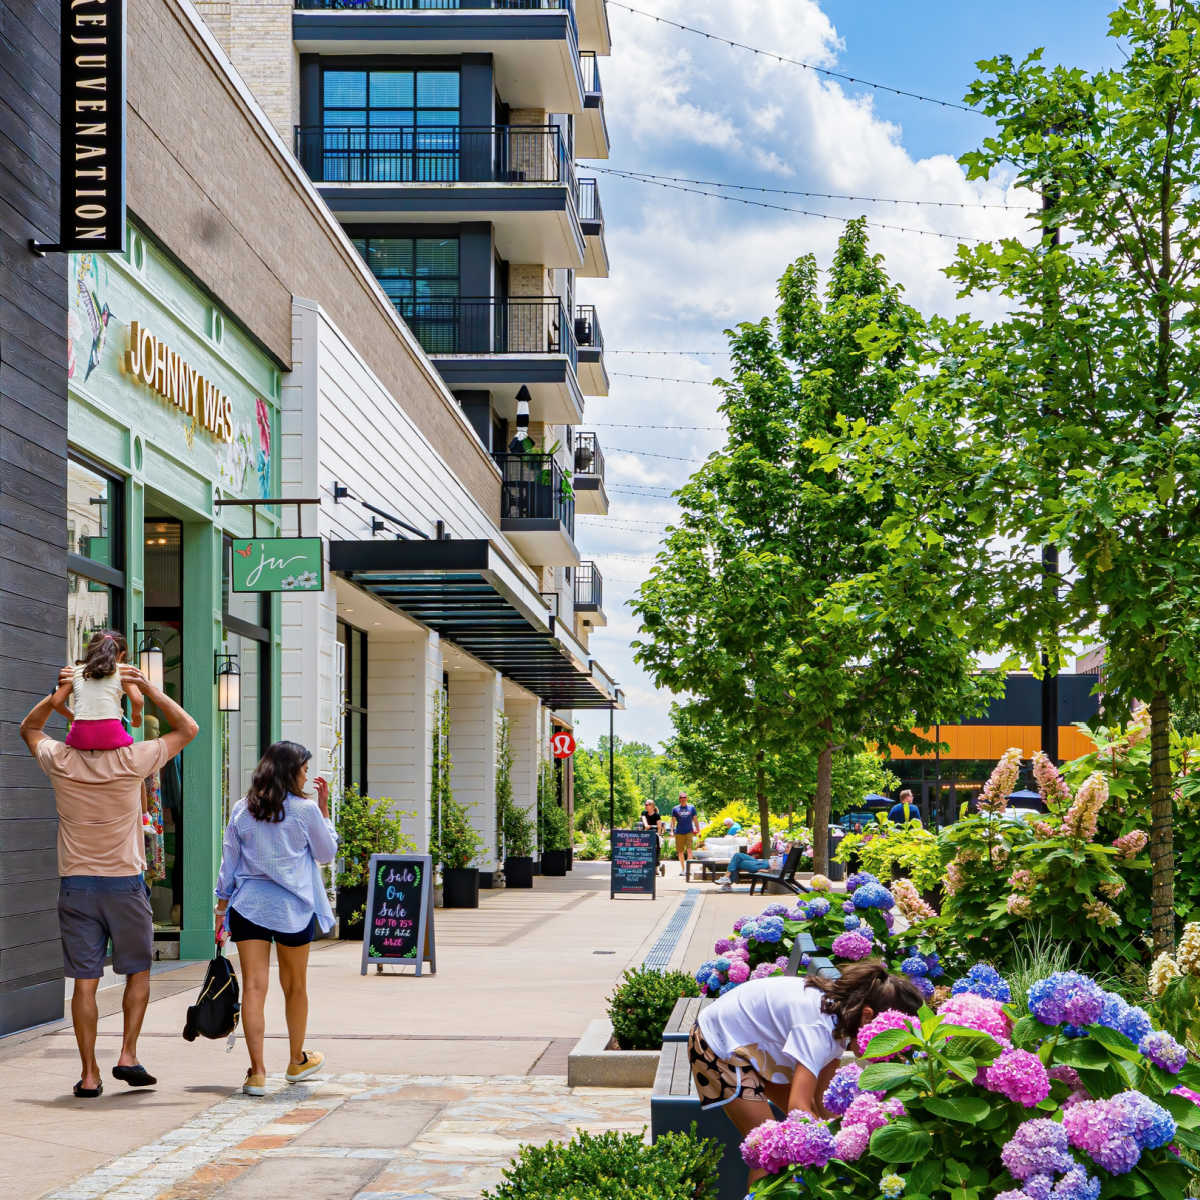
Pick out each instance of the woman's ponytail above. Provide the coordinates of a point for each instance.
(103, 654)
(862, 985)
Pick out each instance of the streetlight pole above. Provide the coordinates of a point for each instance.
(612, 821)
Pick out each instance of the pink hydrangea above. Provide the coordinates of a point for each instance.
(739, 971)
(909, 902)
(890, 1018)
(1019, 905)
(1044, 829)
(1186, 1093)
(1130, 845)
(1002, 780)
(739, 953)
(1020, 1076)
(1081, 819)
(1021, 880)
(851, 945)
(851, 1142)
(800, 1141)
(954, 878)
(868, 1110)
(977, 1012)
(1050, 783)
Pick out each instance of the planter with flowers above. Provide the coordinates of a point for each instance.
(1071, 1096)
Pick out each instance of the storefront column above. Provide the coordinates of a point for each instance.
(476, 701)
(524, 738)
(202, 832)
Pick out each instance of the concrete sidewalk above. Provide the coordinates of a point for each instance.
(517, 982)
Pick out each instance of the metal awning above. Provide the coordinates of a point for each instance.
(465, 592)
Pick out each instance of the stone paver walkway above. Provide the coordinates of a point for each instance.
(360, 1137)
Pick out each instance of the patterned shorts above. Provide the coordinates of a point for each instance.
(719, 1080)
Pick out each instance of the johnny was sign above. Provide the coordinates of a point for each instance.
(92, 203)
(278, 565)
(152, 361)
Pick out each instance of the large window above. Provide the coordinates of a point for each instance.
(95, 554)
(385, 125)
(420, 276)
(354, 703)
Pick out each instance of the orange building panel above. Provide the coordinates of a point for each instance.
(990, 742)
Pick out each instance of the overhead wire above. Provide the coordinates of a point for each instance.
(622, 425)
(796, 62)
(665, 379)
(650, 176)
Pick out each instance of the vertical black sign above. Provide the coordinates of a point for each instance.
(92, 203)
(634, 869)
(398, 925)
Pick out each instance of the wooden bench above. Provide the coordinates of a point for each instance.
(683, 1016)
(710, 868)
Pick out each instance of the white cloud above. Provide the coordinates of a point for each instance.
(684, 267)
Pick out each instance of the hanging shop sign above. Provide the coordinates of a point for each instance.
(278, 564)
(152, 361)
(563, 744)
(92, 109)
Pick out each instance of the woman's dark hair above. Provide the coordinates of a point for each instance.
(866, 984)
(274, 778)
(105, 648)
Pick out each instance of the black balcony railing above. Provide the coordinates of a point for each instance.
(535, 487)
(591, 73)
(458, 325)
(589, 202)
(432, 5)
(589, 459)
(436, 154)
(587, 327)
(589, 587)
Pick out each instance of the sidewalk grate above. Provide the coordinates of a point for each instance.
(661, 951)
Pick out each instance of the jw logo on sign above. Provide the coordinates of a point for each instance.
(278, 565)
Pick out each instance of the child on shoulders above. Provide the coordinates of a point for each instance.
(96, 713)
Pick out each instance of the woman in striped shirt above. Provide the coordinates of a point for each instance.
(270, 890)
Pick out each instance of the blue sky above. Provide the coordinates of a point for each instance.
(685, 267)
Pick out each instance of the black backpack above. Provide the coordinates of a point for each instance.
(217, 1009)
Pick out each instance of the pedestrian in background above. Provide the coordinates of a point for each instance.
(270, 890)
(683, 826)
(101, 857)
(904, 810)
(651, 818)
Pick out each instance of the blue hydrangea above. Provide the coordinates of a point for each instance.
(1076, 1184)
(1153, 1127)
(1134, 1023)
(851, 922)
(915, 965)
(873, 895)
(855, 881)
(983, 980)
(936, 970)
(816, 908)
(1164, 1051)
(768, 929)
(728, 987)
(923, 985)
(1066, 998)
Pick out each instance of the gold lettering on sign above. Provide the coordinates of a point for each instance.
(154, 363)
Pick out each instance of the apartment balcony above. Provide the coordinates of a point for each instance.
(593, 376)
(534, 44)
(517, 177)
(591, 129)
(503, 345)
(591, 496)
(591, 219)
(537, 509)
(589, 595)
(594, 33)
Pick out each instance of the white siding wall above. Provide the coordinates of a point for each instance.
(522, 713)
(475, 704)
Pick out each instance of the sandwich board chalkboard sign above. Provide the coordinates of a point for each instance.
(398, 925)
(634, 869)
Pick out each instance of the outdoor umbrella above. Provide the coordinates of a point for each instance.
(1027, 799)
(873, 800)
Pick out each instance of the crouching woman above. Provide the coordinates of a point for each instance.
(778, 1040)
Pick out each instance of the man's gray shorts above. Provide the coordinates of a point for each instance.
(96, 909)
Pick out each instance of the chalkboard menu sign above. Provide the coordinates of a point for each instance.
(634, 863)
(399, 919)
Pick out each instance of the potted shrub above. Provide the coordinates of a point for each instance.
(517, 830)
(364, 827)
(456, 846)
(554, 839)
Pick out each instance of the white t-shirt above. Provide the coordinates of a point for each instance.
(780, 1015)
(96, 699)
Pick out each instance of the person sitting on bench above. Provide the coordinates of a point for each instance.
(750, 861)
(779, 1039)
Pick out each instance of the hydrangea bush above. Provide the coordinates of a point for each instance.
(1072, 1097)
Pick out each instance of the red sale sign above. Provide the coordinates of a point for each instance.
(563, 744)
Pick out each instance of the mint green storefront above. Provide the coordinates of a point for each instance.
(173, 407)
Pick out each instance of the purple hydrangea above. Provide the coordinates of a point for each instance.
(1134, 1023)
(1040, 1187)
(843, 1088)
(816, 908)
(851, 945)
(1037, 1147)
(924, 985)
(737, 925)
(1163, 1051)
(855, 881)
(1104, 1132)
(847, 906)
(872, 895)
(1020, 1076)
(1077, 1184)
(1066, 998)
(1153, 1127)
(723, 946)
(800, 1141)
(983, 980)
(775, 910)
(799, 913)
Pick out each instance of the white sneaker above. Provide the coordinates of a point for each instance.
(727, 886)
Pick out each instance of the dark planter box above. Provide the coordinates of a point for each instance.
(570, 858)
(518, 872)
(554, 862)
(460, 887)
(349, 900)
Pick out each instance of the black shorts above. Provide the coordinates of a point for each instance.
(241, 930)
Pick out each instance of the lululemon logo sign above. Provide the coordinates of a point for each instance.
(563, 745)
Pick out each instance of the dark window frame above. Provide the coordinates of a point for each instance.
(354, 703)
(113, 573)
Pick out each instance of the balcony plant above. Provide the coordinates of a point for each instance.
(365, 826)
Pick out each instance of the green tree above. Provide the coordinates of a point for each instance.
(770, 605)
(591, 789)
(1072, 421)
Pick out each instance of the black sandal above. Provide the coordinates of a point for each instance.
(135, 1076)
(82, 1093)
